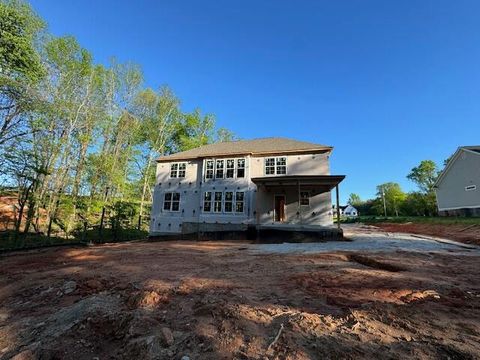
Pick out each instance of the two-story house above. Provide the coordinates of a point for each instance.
(232, 185)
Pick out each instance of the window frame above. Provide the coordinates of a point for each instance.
(204, 201)
(237, 167)
(217, 169)
(303, 198)
(232, 169)
(207, 169)
(177, 170)
(226, 201)
(171, 201)
(268, 165)
(242, 202)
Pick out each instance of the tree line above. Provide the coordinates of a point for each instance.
(79, 139)
(391, 200)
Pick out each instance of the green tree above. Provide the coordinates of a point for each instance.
(392, 194)
(354, 200)
(424, 175)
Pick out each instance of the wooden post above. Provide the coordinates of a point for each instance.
(338, 206)
(103, 213)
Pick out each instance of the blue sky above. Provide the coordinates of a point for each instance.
(387, 83)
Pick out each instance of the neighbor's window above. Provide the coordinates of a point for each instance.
(219, 169)
(470, 187)
(217, 204)
(228, 201)
(270, 166)
(178, 170)
(207, 201)
(209, 169)
(276, 166)
(304, 198)
(230, 168)
(239, 201)
(171, 201)
(240, 168)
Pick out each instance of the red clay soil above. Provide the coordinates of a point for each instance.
(218, 300)
(465, 233)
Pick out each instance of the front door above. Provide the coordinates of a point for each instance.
(279, 208)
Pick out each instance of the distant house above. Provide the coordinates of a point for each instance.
(346, 210)
(458, 186)
(350, 211)
(231, 185)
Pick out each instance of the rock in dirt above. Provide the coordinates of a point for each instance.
(142, 325)
(147, 347)
(69, 287)
(185, 357)
(166, 336)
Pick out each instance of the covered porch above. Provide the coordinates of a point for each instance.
(298, 203)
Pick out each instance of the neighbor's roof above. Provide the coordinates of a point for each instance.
(475, 149)
(264, 146)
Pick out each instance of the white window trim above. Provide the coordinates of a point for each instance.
(225, 160)
(275, 166)
(171, 201)
(178, 170)
(211, 202)
(234, 202)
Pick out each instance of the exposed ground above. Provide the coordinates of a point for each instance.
(231, 300)
(466, 233)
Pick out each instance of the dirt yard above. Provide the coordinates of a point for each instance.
(469, 234)
(231, 300)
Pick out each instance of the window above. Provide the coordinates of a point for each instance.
(281, 165)
(239, 201)
(230, 168)
(276, 166)
(171, 201)
(217, 204)
(240, 168)
(182, 167)
(229, 201)
(470, 187)
(270, 166)
(304, 198)
(209, 169)
(219, 169)
(178, 170)
(207, 202)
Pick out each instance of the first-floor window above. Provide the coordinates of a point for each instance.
(228, 201)
(207, 201)
(239, 201)
(304, 198)
(217, 204)
(171, 201)
(209, 169)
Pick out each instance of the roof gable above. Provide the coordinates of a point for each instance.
(273, 145)
(471, 149)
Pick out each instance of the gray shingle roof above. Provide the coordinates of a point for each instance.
(472, 148)
(273, 145)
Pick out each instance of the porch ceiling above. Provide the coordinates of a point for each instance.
(329, 181)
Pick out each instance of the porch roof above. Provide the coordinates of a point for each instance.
(329, 181)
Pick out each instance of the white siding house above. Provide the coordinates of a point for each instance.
(272, 181)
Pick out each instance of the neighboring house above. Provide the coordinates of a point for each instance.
(458, 186)
(347, 210)
(350, 211)
(230, 185)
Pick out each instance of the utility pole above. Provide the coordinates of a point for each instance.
(384, 203)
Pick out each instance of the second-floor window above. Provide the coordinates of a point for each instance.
(171, 201)
(224, 168)
(276, 166)
(177, 170)
(219, 166)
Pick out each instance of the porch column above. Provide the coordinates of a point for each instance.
(338, 206)
(299, 207)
